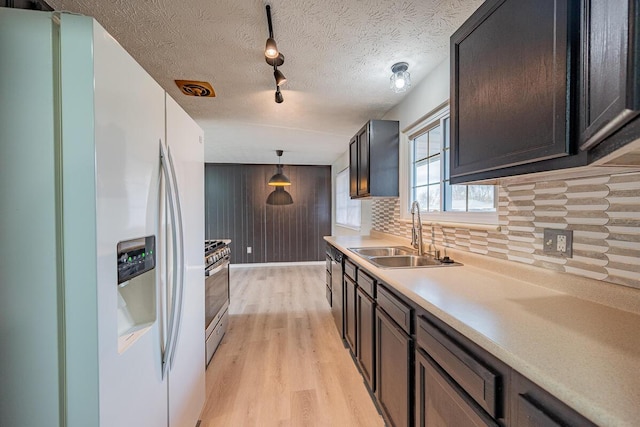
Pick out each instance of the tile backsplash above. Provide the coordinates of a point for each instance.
(602, 211)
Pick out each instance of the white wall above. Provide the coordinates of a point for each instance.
(427, 96)
(421, 101)
(365, 209)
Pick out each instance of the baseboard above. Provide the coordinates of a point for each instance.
(277, 264)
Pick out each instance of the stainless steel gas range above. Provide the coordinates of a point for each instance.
(216, 256)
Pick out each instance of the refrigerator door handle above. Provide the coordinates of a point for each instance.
(181, 264)
(172, 313)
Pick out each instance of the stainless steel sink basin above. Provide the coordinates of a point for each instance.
(387, 251)
(406, 261)
(400, 257)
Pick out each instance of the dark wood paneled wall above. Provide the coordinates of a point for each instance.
(236, 209)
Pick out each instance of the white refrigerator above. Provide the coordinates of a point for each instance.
(98, 167)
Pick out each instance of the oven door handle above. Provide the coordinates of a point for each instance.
(218, 269)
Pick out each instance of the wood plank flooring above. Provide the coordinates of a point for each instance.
(281, 362)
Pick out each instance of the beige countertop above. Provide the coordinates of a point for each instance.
(585, 353)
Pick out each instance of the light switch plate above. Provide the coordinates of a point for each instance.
(558, 242)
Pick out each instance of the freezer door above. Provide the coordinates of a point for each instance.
(29, 383)
(187, 362)
(129, 123)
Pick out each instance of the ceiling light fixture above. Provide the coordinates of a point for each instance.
(279, 197)
(279, 98)
(274, 58)
(279, 179)
(400, 79)
(280, 78)
(271, 48)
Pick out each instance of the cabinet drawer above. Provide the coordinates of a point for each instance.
(480, 383)
(395, 308)
(328, 263)
(328, 279)
(350, 269)
(367, 283)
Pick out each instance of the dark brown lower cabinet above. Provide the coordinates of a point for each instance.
(350, 313)
(365, 314)
(532, 406)
(328, 285)
(394, 371)
(440, 402)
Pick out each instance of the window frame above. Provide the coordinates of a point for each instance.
(428, 122)
(349, 202)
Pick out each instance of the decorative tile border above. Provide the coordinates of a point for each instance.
(602, 211)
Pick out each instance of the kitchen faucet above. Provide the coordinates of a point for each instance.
(416, 232)
(436, 252)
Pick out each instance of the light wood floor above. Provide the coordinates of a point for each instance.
(281, 362)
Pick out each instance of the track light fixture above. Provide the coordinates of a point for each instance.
(271, 48)
(274, 58)
(280, 78)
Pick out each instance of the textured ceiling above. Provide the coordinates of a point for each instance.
(338, 57)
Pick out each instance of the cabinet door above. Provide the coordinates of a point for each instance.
(610, 74)
(509, 87)
(364, 335)
(440, 402)
(394, 376)
(353, 167)
(363, 161)
(350, 313)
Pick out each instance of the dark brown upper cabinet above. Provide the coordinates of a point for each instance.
(373, 160)
(609, 68)
(513, 84)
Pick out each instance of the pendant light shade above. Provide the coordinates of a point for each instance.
(279, 197)
(279, 179)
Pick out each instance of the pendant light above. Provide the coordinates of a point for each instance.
(279, 179)
(279, 196)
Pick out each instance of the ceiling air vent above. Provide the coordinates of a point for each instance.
(194, 88)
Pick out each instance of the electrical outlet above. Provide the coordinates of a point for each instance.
(248, 249)
(558, 242)
(562, 243)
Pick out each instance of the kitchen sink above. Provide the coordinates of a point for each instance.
(406, 261)
(401, 257)
(388, 251)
